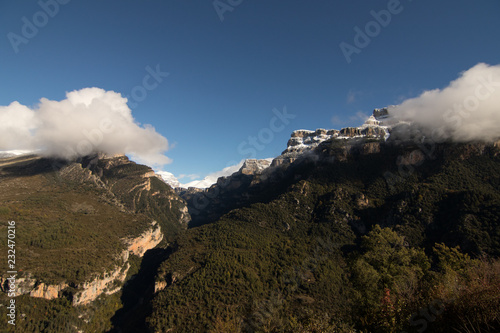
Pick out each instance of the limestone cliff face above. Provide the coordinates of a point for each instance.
(112, 281)
(184, 217)
(48, 291)
(160, 285)
(109, 284)
(302, 141)
(147, 240)
(28, 285)
(24, 284)
(253, 166)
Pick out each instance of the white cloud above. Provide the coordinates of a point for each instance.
(192, 176)
(88, 120)
(359, 116)
(351, 96)
(211, 178)
(336, 120)
(206, 182)
(169, 178)
(467, 109)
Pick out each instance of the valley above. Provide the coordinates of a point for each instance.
(331, 236)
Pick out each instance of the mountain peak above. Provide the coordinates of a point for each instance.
(305, 140)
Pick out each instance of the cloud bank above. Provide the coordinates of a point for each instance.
(467, 109)
(88, 120)
(211, 178)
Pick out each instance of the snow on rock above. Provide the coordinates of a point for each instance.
(15, 153)
(169, 178)
(253, 166)
(305, 140)
(378, 125)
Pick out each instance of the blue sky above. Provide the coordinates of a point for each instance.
(227, 76)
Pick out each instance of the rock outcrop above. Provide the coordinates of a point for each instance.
(109, 282)
(23, 285)
(253, 166)
(302, 141)
(48, 291)
(95, 288)
(147, 240)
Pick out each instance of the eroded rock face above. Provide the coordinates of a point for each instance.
(75, 172)
(253, 166)
(381, 113)
(302, 141)
(48, 291)
(93, 289)
(160, 285)
(109, 282)
(23, 285)
(147, 240)
(415, 157)
(185, 217)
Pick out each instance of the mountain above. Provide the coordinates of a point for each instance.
(304, 140)
(250, 183)
(379, 234)
(204, 183)
(301, 141)
(376, 228)
(82, 230)
(169, 178)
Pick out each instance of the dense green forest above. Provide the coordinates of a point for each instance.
(346, 249)
(360, 236)
(73, 220)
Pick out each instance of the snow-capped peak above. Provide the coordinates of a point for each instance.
(305, 140)
(169, 178)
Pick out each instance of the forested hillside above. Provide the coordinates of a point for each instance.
(366, 237)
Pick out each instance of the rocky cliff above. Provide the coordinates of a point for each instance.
(147, 240)
(107, 282)
(105, 213)
(257, 180)
(282, 247)
(302, 141)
